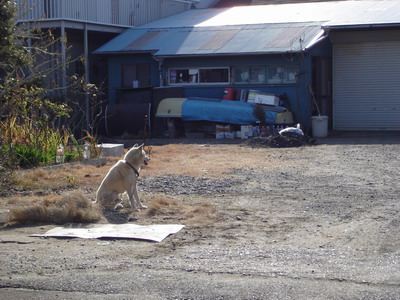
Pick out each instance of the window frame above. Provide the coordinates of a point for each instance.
(195, 72)
(283, 72)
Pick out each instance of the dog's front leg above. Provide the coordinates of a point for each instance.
(130, 193)
(135, 194)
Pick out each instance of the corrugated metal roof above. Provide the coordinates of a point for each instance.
(243, 39)
(145, 39)
(385, 12)
(251, 29)
(219, 39)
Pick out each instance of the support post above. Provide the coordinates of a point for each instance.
(63, 58)
(87, 78)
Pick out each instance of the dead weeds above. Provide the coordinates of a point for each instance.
(195, 215)
(73, 207)
(68, 176)
(7, 202)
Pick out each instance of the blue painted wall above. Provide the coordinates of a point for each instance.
(298, 94)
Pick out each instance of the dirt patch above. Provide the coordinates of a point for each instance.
(188, 185)
(281, 141)
(261, 222)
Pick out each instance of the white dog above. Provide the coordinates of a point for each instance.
(121, 178)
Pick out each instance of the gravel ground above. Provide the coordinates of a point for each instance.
(310, 222)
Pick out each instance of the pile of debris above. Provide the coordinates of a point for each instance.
(288, 139)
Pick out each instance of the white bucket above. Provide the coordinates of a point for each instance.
(319, 126)
(4, 215)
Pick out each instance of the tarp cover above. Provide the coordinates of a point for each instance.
(224, 111)
(154, 233)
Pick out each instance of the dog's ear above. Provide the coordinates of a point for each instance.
(141, 146)
(135, 146)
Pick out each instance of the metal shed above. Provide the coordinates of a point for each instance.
(366, 68)
(366, 85)
(365, 61)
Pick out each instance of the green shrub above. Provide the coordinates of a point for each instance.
(30, 157)
(71, 156)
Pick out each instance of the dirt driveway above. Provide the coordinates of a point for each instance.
(313, 222)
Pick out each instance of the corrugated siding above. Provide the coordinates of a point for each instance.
(119, 12)
(366, 86)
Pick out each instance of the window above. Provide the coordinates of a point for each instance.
(214, 75)
(241, 75)
(135, 75)
(281, 75)
(274, 75)
(198, 76)
(265, 75)
(253, 75)
(289, 75)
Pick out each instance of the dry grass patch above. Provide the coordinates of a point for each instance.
(168, 208)
(43, 179)
(59, 178)
(163, 206)
(26, 201)
(73, 207)
(214, 161)
(204, 214)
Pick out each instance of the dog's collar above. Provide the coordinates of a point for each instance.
(133, 168)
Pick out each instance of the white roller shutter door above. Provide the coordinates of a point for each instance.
(366, 86)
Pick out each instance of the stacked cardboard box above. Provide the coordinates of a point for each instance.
(267, 99)
(246, 131)
(262, 98)
(224, 132)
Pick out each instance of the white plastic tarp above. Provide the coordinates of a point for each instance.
(154, 233)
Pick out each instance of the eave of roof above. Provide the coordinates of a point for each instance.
(333, 26)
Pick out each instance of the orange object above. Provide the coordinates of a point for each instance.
(229, 94)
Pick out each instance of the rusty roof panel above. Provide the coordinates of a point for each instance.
(286, 37)
(219, 39)
(143, 40)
